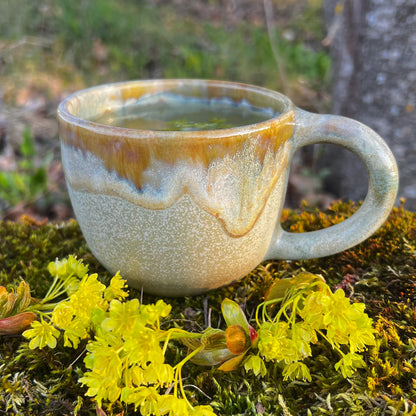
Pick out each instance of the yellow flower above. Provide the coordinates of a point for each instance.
(296, 371)
(302, 335)
(41, 334)
(107, 367)
(313, 309)
(256, 364)
(123, 316)
(174, 406)
(273, 340)
(57, 268)
(74, 332)
(268, 348)
(145, 398)
(335, 314)
(67, 267)
(104, 357)
(99, 387)
(88, 296)
(153, 312)
(349, 363)
(62, 315)
(76, 267)
(149, 350)
(135, 376)
(202, 411)
(361, 331)
(159, 373)
(74, 315)
(150, 404)
(116, 288)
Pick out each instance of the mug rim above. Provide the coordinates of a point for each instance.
(64, 114)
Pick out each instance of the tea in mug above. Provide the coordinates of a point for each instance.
(170, 112)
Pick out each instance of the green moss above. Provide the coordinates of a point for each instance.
(380, 272)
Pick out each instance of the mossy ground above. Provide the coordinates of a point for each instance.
(381, 272)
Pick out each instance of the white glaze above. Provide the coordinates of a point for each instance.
(178, 251)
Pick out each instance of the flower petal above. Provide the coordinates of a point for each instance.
(232, 364)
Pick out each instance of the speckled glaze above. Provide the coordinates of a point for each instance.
(181, 213)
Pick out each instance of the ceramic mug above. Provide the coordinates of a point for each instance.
(183, 212)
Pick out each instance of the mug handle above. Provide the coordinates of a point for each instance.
(381, 195)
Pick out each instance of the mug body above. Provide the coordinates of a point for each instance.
(177, 212)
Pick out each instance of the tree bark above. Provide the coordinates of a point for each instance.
(373, 47)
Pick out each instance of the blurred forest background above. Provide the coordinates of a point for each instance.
(49, 49)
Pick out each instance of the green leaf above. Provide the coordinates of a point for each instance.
(38, 182)
(215, 348)
(15, 301)
(300, 281)
(213, 338)
(256, 364)
(22, 298)
(28, 146)
(278, 289)
(304, 279)
(233, 314)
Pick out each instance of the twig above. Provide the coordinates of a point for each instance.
(268, 11)
(197, 388)
(27, 40)
(207, 313)
(335, 24)
(77, 358)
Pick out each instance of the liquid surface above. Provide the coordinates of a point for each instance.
(169, 112)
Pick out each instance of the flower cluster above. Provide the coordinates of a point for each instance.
(127, 348)
(309, 311)
(74, 314)
(126, 345)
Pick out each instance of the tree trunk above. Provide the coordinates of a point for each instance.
(373, 47)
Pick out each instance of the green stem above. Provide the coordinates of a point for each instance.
(291, 295)
(51, 288)
(165, 345)
(282, 310)
(40, 313)
(335, 347)
(40, 307)
(58, 290)
(294, 310)
(178, 374)
(177, 333)
(263, 306)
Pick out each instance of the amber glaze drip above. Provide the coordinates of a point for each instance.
(130, 157)
(131, 153)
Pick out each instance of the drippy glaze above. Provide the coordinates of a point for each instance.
(229, 173)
